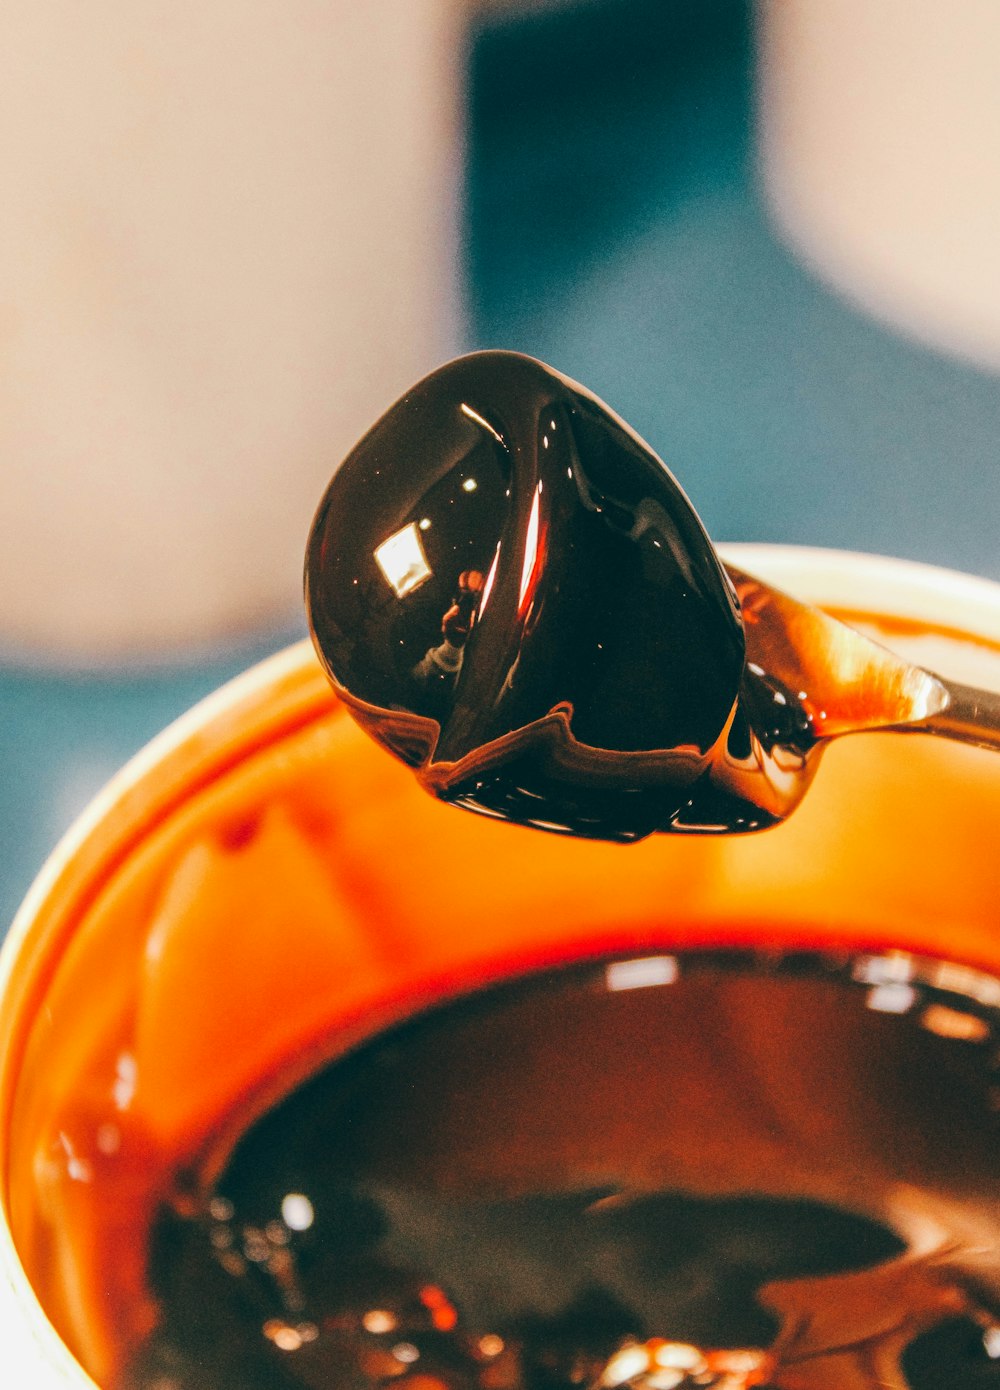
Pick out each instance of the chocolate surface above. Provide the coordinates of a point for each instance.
(513, 594)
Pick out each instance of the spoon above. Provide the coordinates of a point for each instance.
(511, 593)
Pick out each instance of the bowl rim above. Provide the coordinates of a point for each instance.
(272, 698)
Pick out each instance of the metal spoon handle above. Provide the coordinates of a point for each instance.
(970, 716)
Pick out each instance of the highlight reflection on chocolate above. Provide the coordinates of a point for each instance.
(659, 1172)
(513, 594)
(564, 703)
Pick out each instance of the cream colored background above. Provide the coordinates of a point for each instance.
(227, 241)
(880, 143)
(228, 238)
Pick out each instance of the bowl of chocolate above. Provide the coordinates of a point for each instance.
(314, 1079)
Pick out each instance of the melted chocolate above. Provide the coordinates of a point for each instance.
(655, 1174)
(513, 594)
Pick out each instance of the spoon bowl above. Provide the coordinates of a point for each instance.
(512, 593)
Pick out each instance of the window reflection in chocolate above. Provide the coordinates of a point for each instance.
(410, 548)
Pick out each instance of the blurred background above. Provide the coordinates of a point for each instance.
(769, 237)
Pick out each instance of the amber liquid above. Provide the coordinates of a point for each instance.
(668, 1171)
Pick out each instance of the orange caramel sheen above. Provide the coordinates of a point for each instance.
(283, 889)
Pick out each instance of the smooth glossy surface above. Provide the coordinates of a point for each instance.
(654, 1173)
(579, 660)
(501, 580)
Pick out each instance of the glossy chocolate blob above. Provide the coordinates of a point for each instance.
(512, 593)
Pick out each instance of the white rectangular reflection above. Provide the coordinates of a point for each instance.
(884, 970)
(891, 998)
(641, 974)
(402, 560)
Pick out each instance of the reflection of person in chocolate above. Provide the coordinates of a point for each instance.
(443, 662)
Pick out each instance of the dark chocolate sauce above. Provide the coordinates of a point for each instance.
(659, 1174)
(512, 593)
